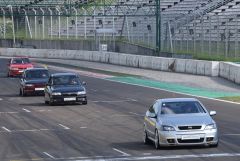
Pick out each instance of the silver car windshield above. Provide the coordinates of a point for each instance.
(186, 107)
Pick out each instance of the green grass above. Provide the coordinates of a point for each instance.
(233, 98)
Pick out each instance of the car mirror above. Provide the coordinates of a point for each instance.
(212, 113)
(152, 115)
(84, 83)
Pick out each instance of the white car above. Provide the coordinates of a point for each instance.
(180, 122)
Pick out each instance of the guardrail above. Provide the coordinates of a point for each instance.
(226, 70)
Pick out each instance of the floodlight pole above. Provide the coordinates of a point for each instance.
(4, 23)
(29, 27)
(76, 19)
(51, 22)
(59, 23)
(43, 23)
(13, 28)
(35, 23)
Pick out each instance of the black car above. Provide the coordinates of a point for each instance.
(33, 81)
(64, 88)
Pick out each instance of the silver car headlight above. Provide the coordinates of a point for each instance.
(81, 92)
(56, 93)
(210, 126)
(168, 128)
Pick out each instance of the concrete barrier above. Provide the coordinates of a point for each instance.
(132, 61)
(122, 59)
(211, 68)
(114, 58)
(145, 62)
(226, 70)
(180, 65)
(157, 63)
(191, 66)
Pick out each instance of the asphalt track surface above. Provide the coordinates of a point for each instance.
(108, 128)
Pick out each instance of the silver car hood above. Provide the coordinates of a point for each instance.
(186, 119)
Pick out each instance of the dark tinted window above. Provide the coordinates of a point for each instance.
(20, 61)
(37, 74)
(66, 80)
(181, 107)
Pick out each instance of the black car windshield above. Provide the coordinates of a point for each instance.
(37, 74)
(185, 107)
(20, 61)
(66, 80)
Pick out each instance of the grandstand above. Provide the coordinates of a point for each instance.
(187, 26)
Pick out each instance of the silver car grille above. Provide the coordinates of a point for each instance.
(189, 127)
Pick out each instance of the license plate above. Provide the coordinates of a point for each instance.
(39, 89)
(190, 137)
(70, 99)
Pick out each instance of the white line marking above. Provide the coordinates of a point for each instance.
(83, 127)
(65, 127)
(231, 134)
(8, 112)
(135, 114)
(47, 154)
(6, 129)
(147, 153)
(168, 157)
(1, 99)
(115, 101)
(26, 110)
(123, 153)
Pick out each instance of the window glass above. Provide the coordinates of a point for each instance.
(66, 80)
(37, 74)
(186, 107)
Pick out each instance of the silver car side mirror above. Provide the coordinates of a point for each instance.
(212, 113)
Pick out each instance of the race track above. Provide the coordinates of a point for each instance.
(108, 128)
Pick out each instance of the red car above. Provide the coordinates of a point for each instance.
(18, 65)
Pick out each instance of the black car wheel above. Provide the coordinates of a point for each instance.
(145, 137)
(22, 92)
(156, 140)
(84, 102)
(51, 103)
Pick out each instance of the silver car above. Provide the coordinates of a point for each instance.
(180, 122)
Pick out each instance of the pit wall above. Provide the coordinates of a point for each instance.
(226, 70)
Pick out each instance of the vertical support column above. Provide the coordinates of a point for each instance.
(59, 23)
(51, 23)
(158, 27)
(43, 23)
(35, 23)
(76, 19)
(67, 24)
(85, 23)
(13, 27)
(4, 23)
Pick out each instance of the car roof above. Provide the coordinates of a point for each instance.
(34, 69)
(63, 74)
(177, 99)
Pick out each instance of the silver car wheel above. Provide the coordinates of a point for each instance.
(156, 140)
